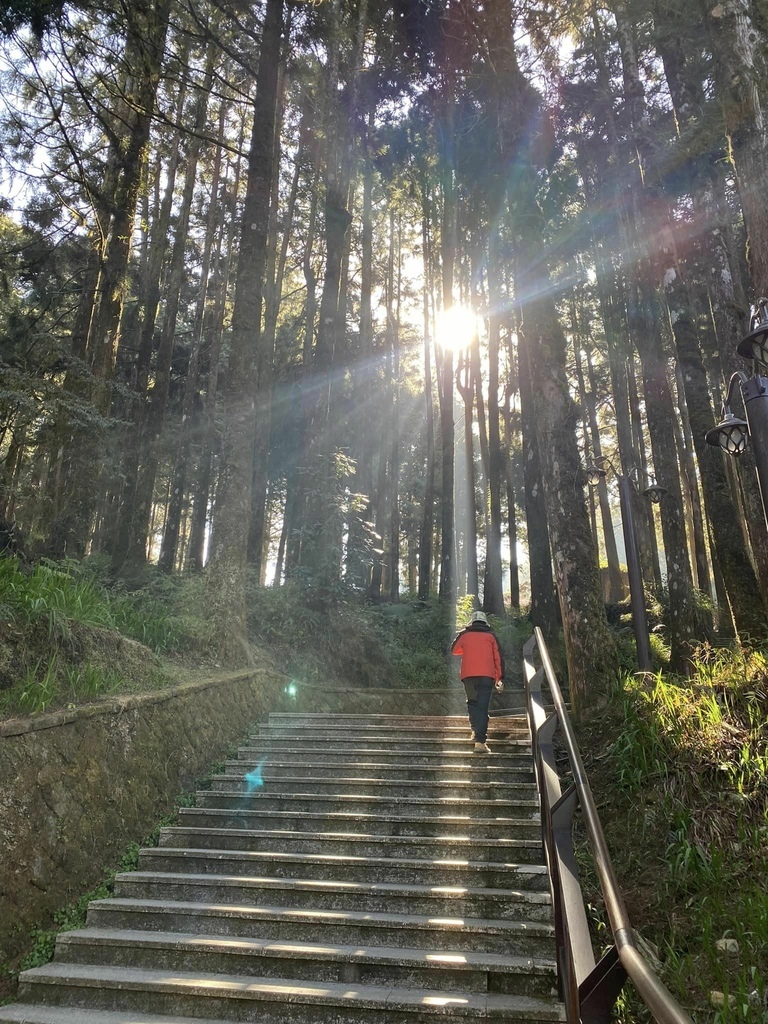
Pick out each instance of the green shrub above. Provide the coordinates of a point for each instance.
(54, 592)
(165, 613)
(683, 789)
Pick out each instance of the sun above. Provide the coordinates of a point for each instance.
(456, 328)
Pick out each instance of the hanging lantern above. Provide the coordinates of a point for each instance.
(730, 435)
(655, 492)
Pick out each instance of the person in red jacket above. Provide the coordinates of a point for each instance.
(482, 668)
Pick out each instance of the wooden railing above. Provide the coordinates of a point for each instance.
(589, 989)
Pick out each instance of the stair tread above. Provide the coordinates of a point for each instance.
(472, 764)
(337, 916)
(307, 884)
(187, 853)
(458, 724)
(408, 800)
(370, 715)
(348, 837)
(314, 744)
(372, 780)
(24, 1013)
(363, 816)
(329, 993)
(410, 956)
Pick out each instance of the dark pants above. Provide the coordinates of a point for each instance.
(479, 690)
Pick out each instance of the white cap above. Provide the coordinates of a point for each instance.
(479, 617)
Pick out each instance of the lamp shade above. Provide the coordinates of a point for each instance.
(755, 345)
(730, 435)
(655, 492)
(594, 474)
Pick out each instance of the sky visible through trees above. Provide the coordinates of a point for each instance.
(349, 294)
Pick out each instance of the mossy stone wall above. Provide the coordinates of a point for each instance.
(78, 786)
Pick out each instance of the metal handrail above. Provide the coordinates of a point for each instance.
(588, 990)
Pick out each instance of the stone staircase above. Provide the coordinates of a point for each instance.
(343, 870)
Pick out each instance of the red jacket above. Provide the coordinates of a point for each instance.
(479, 653)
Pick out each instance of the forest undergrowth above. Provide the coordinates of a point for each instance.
(70, 635)
(679, 769)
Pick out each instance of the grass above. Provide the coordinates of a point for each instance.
(682, 786)
(48, 685)
(57, 593)
(61, 625)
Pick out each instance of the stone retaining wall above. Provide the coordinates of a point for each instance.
(77, 787)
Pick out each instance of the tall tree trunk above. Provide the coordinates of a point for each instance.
(686, 448)
(739, 577)
(427, 518)
(739, 48)
(616, 584)
(321, 547)
(642, 221)
(393, 317)
(223, 261)
(448, 242)
(227, 564)
(190, 423)
(467, 391)
(158, 396)
(257, 536)
(358, 545)
(543, 611)
(152, 284)
(147, 25)
(493, 595)
(511, 472)
(590, 649)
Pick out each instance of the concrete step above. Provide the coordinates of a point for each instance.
(525, 823)
(533, 936)
(337, 868)
(319, 894)
(399, 966)
(396, 740)
(267, 1001)
(517, 784)
(401, 737)
(330, 753)
(469, 767)
(361, 844)
(367, 803)
(24, 1013)
(387, 722)
(424, 721)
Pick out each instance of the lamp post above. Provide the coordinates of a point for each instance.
(731, 433)
(636, 591)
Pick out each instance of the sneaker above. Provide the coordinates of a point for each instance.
(482, 748)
